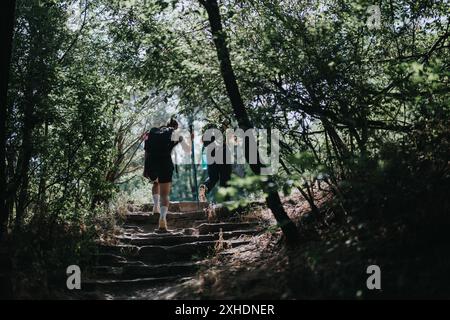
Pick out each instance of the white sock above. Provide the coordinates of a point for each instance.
(163, 213)
(155, 202)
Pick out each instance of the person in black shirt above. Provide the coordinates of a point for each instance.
(159, 167)
(219, 171)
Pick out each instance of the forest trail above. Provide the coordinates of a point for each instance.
(142, 262)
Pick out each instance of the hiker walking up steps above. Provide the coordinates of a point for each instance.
(219, 171)
(158, 167)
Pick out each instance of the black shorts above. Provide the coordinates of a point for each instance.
(161, 170)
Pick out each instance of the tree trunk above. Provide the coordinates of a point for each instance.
(26, 148)
(7, 31)
(24, 164)
(241, 115)
(42, 199)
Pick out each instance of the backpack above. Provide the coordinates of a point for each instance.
(159, 141)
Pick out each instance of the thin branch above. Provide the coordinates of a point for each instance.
(75, 40)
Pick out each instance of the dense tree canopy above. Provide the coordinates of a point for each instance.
(361, 105)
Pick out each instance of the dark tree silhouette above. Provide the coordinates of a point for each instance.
(240, 112)
(7, 30)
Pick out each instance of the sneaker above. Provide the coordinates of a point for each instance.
(156, 209)
(162, 226)
(202, 193)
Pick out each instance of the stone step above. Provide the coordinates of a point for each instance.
(137, 271)
(196, 223)
(207, 228)
(189, 231)
(129, 228)
(144, 258)
(187, 227)
(146, 235)
(176, 206)
(119, 250)
(109, 259)
(120, 264)
(117, 284)
(174, 219)
(163, 254)
(164, 270)
(180, 238)
(107, 272)
(182, 252)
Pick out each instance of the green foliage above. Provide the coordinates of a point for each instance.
(241, 191)
(367, 109)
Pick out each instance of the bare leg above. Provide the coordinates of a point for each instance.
(210, 182)
(156, 197)
(155, 188)
(164, 189)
